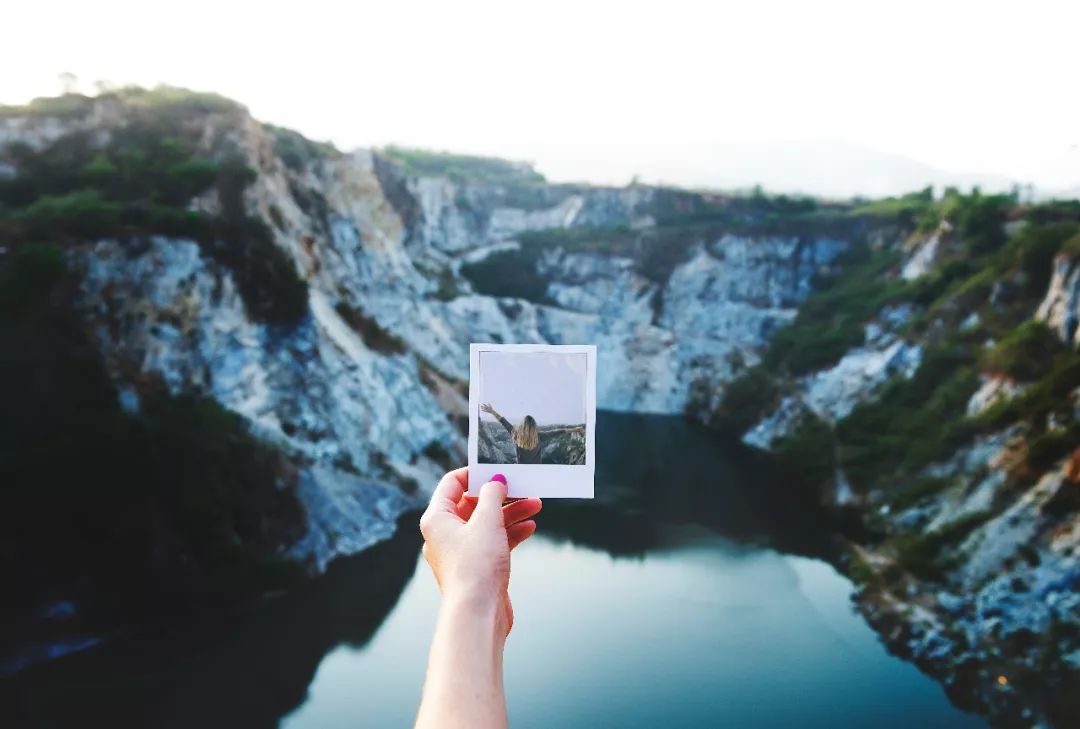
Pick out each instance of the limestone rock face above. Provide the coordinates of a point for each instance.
(366, 392)
(831, 394)
(1061, 307)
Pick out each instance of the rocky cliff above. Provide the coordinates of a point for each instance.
(952, 427)
(399, 253)
(883, 350)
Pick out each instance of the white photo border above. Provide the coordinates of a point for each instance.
(547, 480)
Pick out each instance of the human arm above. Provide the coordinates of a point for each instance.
(487, 408)
(467, 542)
(546, 435)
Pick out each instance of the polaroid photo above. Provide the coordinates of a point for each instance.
(532, 418)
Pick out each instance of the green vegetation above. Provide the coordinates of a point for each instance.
(373, 334)
(65, 106)
(746, 401)
(127, 512)
(912, 422)
(1024, 353)
(831, 321)
(1049, 447)
(808, 455)
(140, 183)
(917, 491)
(163, 99)
(915, 210)
(509, 273)
(462, 168)
(1047, 400)
(979, 220)
(928, 555)
(296, 150)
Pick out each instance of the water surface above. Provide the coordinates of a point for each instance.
(690, 594)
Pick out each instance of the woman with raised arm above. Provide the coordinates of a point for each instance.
(527, 437)
(467, 542)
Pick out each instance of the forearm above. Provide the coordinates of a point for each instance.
(464, 684)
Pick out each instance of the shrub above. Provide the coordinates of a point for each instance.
(915, 209)
(1046, 449)
(745, 401)
(831, 320)
(82, 214)
(265, 275)
(912, 422)
(1048, 395)
(808, 455)
(1035, 247)
(296, 150)
(140, 184)
(175, 101)
(508, 273)
(463, 168)
(1025, 354)
(173, 505)
(979, 220)
(66, 105)
(917, 491)
(373, 334)
(926, 555)
(1055, 211)
(1071, 247)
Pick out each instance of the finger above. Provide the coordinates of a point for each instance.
(489, 505)
(519, 532)
(520, 510)
(466, 507)
(449, 490)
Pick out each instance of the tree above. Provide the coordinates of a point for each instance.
(69, 82)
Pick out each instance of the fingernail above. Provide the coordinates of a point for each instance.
(500, 478)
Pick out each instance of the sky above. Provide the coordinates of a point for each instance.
(841, 96)
(550, 387)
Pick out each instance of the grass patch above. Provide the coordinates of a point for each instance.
(462, 168)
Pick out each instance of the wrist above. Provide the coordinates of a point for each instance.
(476, 609)
(472, 599)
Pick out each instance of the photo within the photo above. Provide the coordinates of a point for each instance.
(532, 408)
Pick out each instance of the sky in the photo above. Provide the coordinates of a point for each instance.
(550, 387)
(833, 97)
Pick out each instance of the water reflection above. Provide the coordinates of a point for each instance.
(654, 472)
(246, 670)
(705, 625)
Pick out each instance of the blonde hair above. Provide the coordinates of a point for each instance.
(526, 435)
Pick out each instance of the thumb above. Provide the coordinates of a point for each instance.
(489, 505)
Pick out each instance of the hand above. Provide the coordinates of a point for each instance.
(486, 407)
(467, 542)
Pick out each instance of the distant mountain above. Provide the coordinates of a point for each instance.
(829, 169)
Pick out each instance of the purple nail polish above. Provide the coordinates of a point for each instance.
(500, 478)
